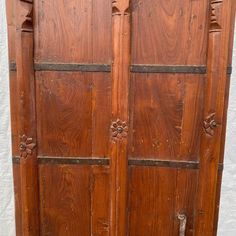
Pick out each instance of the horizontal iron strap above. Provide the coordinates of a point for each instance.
(72, 67)
(105, 161)
(71, 160)
(107, 68)
(164, 163)
(168, 69)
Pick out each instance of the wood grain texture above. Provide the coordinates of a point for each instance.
(11, 26)
(169, 32)
(73, 199)
(127, 148)
(153, 207)
(218, 46)
(17, 195)
(224, 123)
(71, 108)
(170, 101)
(27, 119)
(76, 32)
(121, 20)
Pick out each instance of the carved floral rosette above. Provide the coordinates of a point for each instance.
(26, 146)
(119, 129)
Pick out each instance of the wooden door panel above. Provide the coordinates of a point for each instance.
(167, 111)
(70, 117)
(165, 32)
(72, 199)
(129, 99)
(157, 196)
(75, 31)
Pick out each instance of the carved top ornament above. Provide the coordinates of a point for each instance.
(215, 15)
(25, 15)
(26, 146)
(119, 129)
(210, 124)
(120, 7)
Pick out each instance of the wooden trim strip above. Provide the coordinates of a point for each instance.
(168, 69)
(211, 138)
(72, 67)
(164, 163)
(73, 160)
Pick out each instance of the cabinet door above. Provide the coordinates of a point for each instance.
(120, 109)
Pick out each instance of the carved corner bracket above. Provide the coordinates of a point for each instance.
(215, 15)
(26, 146)
(210, 124)
(25, 15)
(119, 129)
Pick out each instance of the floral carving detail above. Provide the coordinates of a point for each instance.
(210, 124)
(119, 129)
(26, 146)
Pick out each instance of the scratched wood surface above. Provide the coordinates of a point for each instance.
(164, 32)
(170, 101)
(81, 31)
(119, 152)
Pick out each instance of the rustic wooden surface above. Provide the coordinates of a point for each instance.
(119, 151)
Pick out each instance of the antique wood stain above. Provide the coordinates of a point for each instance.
(118, 115)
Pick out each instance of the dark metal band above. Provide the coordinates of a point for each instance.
(16, 160)
(73, 160)
(164, 163)
(105, 161)
(229, 70)
(168, 69)
(12, 66)
(107, 68)
(72, 67)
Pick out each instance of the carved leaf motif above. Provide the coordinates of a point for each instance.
(26, 146)
(119, 129)
(210, 124)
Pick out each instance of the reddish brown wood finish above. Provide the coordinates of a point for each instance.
(27, 125)
(120, 116)
(218, 44)
(120, 151)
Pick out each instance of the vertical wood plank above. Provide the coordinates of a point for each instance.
(223, 135)
(27, 127)
(218, 43)
(119, 127)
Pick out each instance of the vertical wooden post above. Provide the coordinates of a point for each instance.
(120, 116)
(218, 43)
(27, 119)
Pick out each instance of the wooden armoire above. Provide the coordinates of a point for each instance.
(118, 115)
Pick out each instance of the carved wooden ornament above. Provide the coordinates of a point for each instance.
(26, 146)
(25, 16)
(119, 129)
(210, 124)
(215, 16)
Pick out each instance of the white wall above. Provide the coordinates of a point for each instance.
(227, 221)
